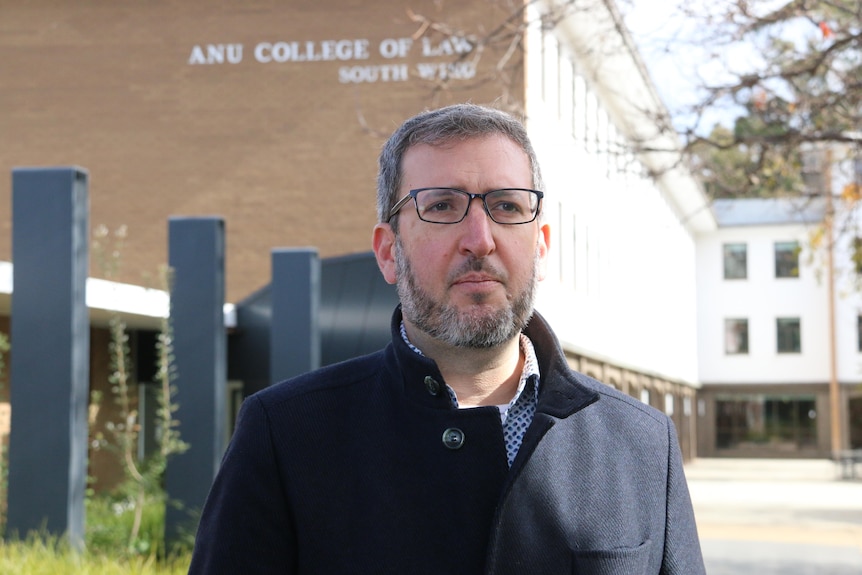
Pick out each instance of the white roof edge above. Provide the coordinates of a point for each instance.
(127, 298)
(122, 298)
(229, 315)
(637, 109)
(5, 278)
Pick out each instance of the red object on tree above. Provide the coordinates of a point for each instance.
(825, 29)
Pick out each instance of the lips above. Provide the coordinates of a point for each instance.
(476, 279)
(476, 272)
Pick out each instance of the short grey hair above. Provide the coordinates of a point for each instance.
(436, 127)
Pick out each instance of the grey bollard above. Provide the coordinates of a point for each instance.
(196, 254)
(49, 367)
(295, 295)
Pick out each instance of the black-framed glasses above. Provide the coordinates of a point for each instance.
(450, 205)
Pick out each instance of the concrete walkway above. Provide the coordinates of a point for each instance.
(771, 517)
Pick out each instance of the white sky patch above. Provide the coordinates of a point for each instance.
(681, 59)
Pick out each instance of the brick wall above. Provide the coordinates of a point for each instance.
(286, 152)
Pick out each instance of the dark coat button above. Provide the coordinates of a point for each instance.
(432, 385)
(453, 438)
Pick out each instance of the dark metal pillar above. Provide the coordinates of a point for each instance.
(196, 255)
(295, 293)
(49, 365)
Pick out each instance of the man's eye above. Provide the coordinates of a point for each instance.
(437, 201)
(507, 207)
(439, 207)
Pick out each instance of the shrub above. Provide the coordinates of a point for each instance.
(110, 520)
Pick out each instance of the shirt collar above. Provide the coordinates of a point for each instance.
(531, 368)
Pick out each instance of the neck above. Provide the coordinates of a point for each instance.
(478, 376)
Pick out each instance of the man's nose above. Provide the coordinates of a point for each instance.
(477, 229)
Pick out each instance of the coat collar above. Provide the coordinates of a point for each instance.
(561, 392)
(421, 377)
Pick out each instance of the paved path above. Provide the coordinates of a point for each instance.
(771, 517)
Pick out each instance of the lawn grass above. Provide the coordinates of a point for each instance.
(108, 549)
(45, 555)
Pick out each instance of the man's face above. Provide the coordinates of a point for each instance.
(469, 284)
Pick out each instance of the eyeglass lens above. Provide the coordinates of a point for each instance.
(449, 206)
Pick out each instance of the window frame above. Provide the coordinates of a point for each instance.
(740, 349)
(781, 337)
(781, 263)
(727, 259)
(856, 256)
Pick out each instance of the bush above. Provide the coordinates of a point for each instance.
(109, 522)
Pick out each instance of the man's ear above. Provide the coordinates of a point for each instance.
(383, 242)
(544, 244)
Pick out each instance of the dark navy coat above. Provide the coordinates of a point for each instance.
(365, 468)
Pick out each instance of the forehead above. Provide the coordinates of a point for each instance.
(494, 160)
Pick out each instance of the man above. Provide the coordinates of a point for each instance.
(467, 446)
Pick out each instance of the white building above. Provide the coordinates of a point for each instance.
(621, 290)
(654, 291)
(766, 314)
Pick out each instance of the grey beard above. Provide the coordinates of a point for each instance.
(472, 330)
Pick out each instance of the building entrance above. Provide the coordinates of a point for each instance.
(855, 411)
(776, 422)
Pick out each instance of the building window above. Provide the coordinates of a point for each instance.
(591, 115)
(787, 259)
(574, 251)
(735, 336)
(579, 116)
(576, 105)
(735, 261)
(550, 69)
(783, 422)
(856, 255)
(789, 335)
(645, 396)
(561, 252)
(567, 86)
